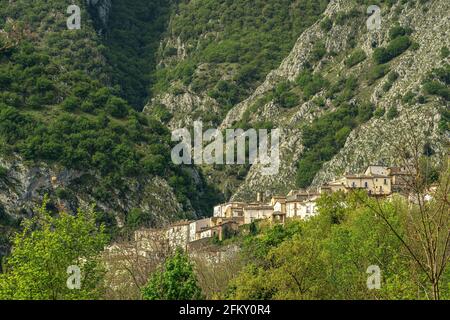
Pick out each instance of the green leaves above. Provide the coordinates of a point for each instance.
(175, 281)
(47, 246)
(327, 256)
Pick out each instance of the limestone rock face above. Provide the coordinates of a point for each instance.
(187, 107)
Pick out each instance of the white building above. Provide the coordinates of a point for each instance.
(254, 212)
(301, 204)
(196, 227)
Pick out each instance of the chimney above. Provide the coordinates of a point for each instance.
(259, 197)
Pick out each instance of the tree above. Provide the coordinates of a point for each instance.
(43, 251)
(128, 268)
(175, 281)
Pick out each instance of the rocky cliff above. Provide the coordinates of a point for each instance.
(372, 142)
(339, 33)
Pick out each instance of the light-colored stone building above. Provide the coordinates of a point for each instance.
(178, 234)
(278, 203)
(195, 228)
(256, 211)
(400, 178)
(301, 204)
(229, 210)
(373, 184)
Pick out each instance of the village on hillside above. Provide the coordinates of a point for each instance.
(378, 181)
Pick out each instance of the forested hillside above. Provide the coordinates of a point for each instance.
(68, 106)
(72, 98)
(85, 128)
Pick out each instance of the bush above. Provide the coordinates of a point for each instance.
(408, 97)
(117, 107)
(395, 48)
(311, 83)
(3, 172)
(355, 58)
(176, 281)
(71, 103)
(445, 52)
(318, 51)
(398, 31)
(326, 24)
(377, 72)
(379, 112)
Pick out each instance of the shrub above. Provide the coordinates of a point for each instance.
(326, 24)
(408, 97)
(117, 107)
(318, 52)
(176, 281)
(392, 113)
(395, 48)
(445, 52)
(398, 31)
(3, 172)
(70, 103)
(311, 83)
(377, 72)
(355, 58)
(379, 112)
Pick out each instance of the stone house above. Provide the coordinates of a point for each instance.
(256, 211)
(377, 170)
(230, 210)
(195, 228)
(400, 178)
(278, 203)
(301, 204)
(374, 184)
(178, 234)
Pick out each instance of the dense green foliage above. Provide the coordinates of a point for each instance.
(45, 248)
(175, 281)
(437, 83)
(240, 41)
(133, 35)
(400, 42)
(57, 102)
(327, 256)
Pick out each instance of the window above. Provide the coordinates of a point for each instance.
(366, 185)
(385, 181)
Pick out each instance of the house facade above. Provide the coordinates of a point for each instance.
(255, 212)
(196, 227)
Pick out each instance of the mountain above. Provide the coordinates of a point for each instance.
(86, 115)
(70, 124)
(343, 95)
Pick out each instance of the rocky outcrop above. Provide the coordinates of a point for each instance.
(24, 186)
(186, 107)
(373, 141)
